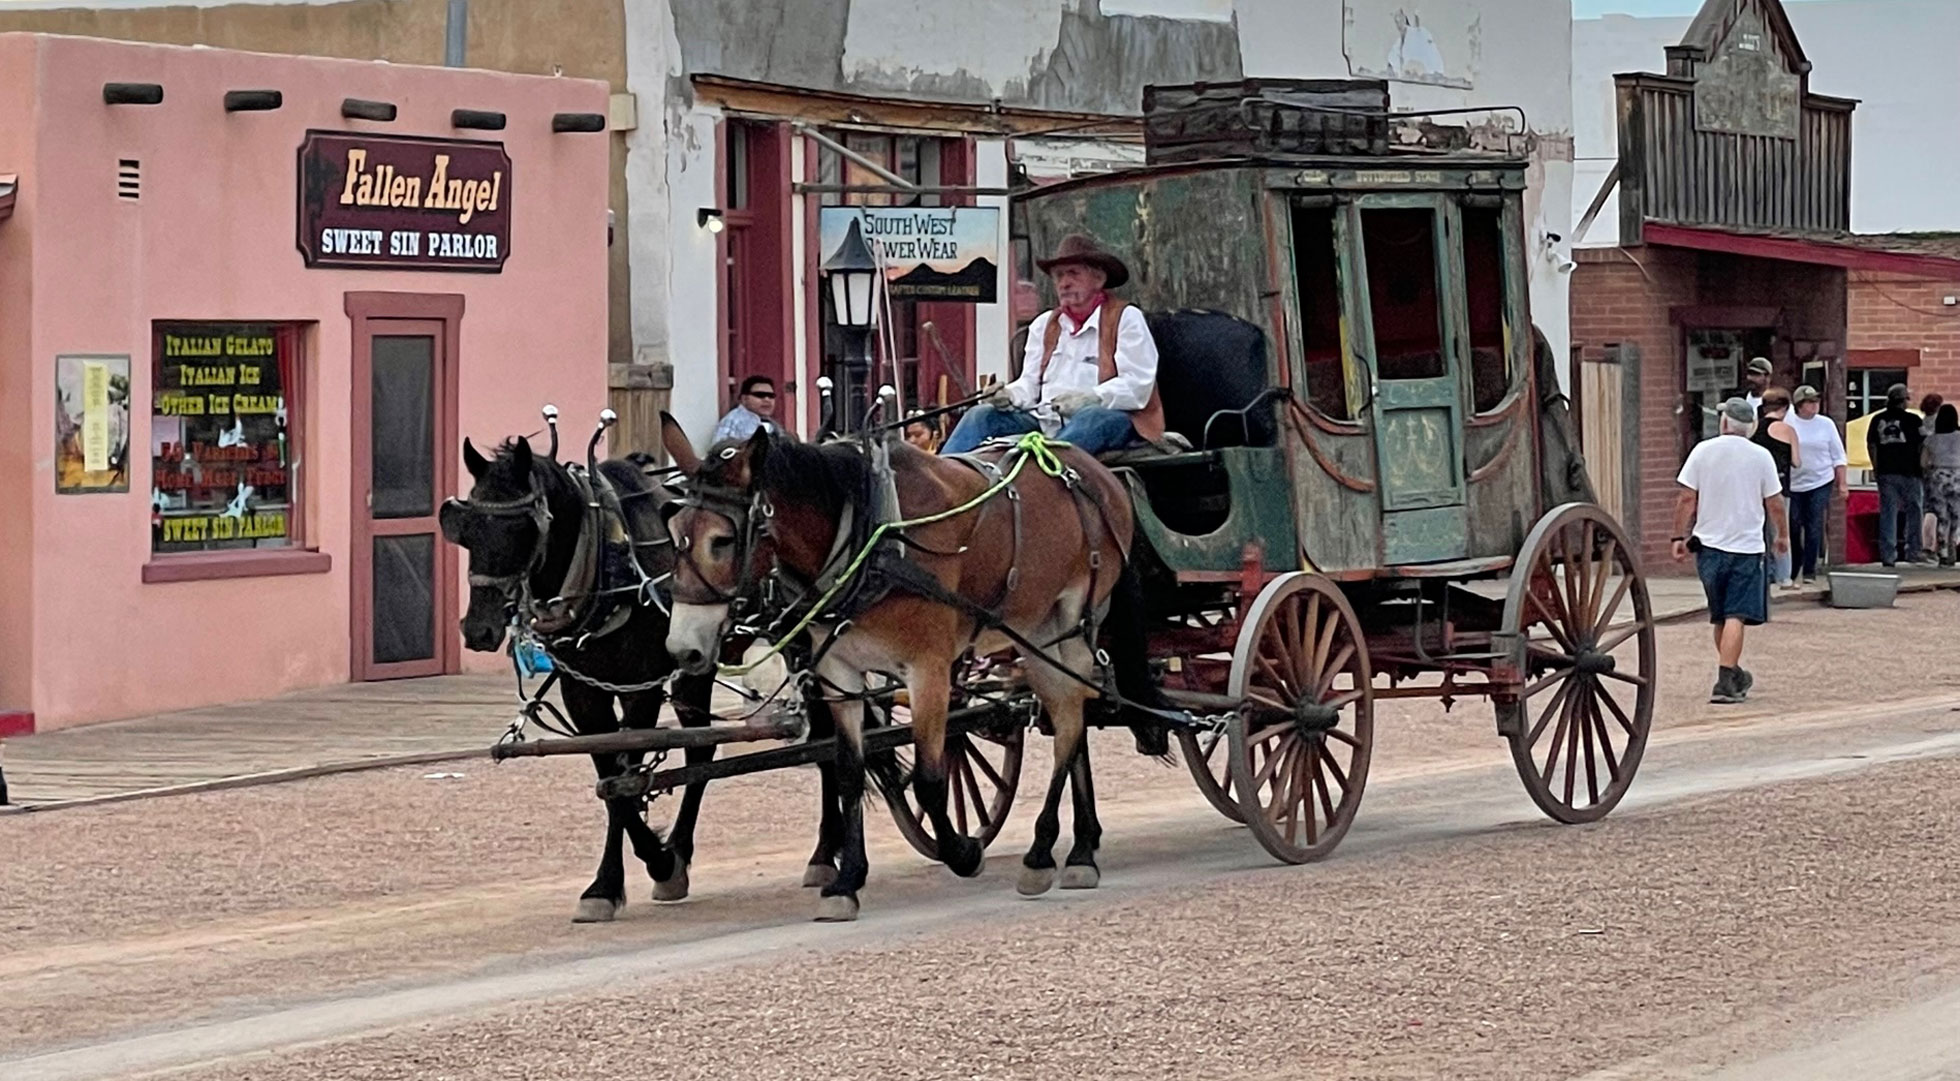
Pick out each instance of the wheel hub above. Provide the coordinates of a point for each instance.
(1314, 717)
(1593, 662)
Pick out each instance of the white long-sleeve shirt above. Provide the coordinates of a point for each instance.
(1074, 367)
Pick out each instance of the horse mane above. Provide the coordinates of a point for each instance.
(830, 475)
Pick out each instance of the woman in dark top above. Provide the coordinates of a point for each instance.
(1777, 437)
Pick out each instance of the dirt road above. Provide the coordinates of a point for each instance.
(1778, 884)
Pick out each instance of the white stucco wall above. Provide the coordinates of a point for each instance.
(1895, 56)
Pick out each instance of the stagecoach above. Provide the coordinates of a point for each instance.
(1372, 492)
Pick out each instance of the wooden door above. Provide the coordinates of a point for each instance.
(404, 577)
(1398, 249)
(1602, 407)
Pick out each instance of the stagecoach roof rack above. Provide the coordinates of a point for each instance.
(1260, 118)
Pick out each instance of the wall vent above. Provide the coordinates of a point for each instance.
(129, 178)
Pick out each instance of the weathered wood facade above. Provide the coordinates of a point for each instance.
(1731, 136)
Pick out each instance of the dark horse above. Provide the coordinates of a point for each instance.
(523, 524)
(977, 578)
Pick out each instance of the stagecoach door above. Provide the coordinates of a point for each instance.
(404, 576)
(1401, 265)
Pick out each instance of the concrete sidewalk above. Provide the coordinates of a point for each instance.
(366, 725)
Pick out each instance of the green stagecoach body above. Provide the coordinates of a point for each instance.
(1424, 432)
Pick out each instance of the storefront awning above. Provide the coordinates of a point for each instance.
(9, 183)
(1851, 251)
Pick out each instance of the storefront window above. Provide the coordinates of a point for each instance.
(221, 441)
(1864, 389)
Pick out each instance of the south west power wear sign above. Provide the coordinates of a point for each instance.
(396, 202)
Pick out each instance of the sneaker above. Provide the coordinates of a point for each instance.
(1744, 679)
(1725, 692)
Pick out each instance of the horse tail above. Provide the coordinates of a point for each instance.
(1129, 661)
(889, 776)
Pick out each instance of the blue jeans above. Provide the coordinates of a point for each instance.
(1807, 511)
(1779, 565)
(1096, 429)
(1898, 496)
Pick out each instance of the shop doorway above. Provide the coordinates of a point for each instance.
(404, 449)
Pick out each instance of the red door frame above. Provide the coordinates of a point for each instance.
(755, 245)
(440, 314)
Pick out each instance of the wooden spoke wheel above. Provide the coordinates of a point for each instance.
(1583, 633)
(983, 766)
(1208, 757)
(1300, 744)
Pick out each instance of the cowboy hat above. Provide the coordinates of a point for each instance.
(1083, 250)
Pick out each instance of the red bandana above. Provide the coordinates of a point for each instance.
(1081, 315)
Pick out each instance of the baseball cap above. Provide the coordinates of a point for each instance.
(1761, 365)
(1804, 394)
(1739, 410)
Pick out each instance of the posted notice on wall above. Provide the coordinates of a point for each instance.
(91, 424)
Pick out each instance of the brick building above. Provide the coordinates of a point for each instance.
(1734, 242)
(1904, 324)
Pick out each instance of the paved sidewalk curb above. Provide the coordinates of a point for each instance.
(252, 780)
(1822, 597)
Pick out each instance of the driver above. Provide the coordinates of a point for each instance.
(1089, 376)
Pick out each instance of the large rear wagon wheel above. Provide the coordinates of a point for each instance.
(1301, 743)
(1584, 631)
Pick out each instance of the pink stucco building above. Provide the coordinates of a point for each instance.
(249, 305)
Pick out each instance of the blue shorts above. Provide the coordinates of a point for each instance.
(1736, 585)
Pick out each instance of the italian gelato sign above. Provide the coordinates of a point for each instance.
(394, 202)
(932, 253)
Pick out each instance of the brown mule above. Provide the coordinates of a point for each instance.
(1039, 557)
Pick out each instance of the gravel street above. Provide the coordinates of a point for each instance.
(1774, 896)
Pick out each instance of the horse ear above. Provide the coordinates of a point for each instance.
(679, 448)
(520, 456)
(474, 462)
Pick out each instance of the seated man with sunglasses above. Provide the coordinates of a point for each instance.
(755, 408)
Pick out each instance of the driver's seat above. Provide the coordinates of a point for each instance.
(1207, 362)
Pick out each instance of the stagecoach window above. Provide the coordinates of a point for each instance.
(1400, 248)
(221, 442)
(1317, 280)
(1484, 287)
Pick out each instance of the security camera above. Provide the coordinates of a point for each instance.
(1553, 237)
(1566, 266)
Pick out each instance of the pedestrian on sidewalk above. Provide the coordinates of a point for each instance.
(1893, 441)
(1942, 462)
(1755, 381)
(1820, 466)
(1775, 435)
(1929, 407)
(1728, 488)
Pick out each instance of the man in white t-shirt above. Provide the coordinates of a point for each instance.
(1728, 486)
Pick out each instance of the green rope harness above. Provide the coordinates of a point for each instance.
(1032, 447)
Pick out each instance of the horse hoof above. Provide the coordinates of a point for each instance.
(1035, 881)
(968, 866)
(1081, 876)
(818, 875)
(595, 910)
(837, 908)
(674, 887)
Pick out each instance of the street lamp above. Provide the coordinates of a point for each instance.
(853, 273)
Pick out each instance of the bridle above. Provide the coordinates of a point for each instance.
(747, 513)
(532, 506)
